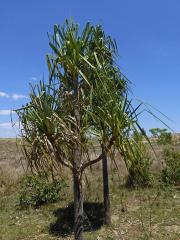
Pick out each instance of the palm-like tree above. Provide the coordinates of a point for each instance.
(81, 58)
(84, 97)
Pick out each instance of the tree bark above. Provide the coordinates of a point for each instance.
(107, 213)
(78, 207)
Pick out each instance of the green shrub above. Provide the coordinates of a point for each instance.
(171, 172)
(37, 190)
(139, 173)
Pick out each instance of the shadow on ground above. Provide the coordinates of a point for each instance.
(63, 226)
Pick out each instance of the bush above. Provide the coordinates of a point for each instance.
(171, 172)
(139, 164)
(140, 174)
(37, 190)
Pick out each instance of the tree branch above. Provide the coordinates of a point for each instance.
(57, 155)
(87, 164)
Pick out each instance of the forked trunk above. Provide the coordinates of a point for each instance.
(107, 214)
(78, 207)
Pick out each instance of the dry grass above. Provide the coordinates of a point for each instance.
(11, 157)
(133, 217)
(137, 214)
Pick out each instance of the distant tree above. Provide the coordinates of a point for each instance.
(163, 136)
(154, 132)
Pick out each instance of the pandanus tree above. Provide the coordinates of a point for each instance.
(105, 80)
(84, 97)
(114, 120)
(105, 51)
(89, 53)
(59, 129)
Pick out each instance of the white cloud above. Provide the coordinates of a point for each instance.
(6, 125)
(16, 96)
(3, 94)
(9, 124)
(6, 112)
(33, 78)
(13, 96)
(8, 131)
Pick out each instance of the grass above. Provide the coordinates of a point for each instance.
(136, 214)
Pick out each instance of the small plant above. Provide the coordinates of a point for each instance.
(37, 190)
(171, 172)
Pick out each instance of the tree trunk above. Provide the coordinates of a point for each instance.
(78, 207)
(77, 175)
(107, 214)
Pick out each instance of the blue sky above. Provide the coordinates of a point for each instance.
(147, 34)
